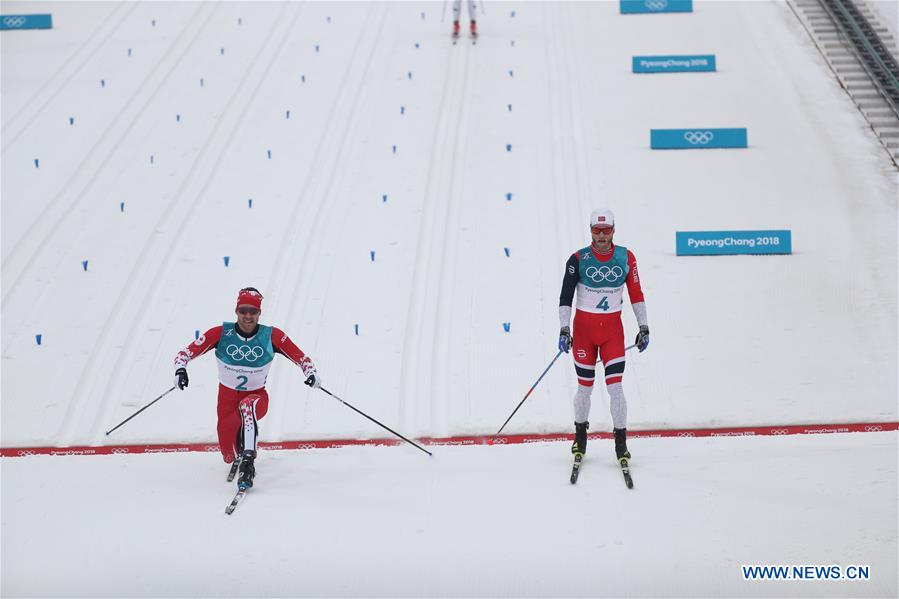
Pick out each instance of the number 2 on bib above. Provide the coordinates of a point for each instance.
(603, 303)
(242, 384)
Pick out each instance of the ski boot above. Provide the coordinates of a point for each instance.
(247, 470)
(455, 29)
(580, 438)
(621, 444)
(473, 29)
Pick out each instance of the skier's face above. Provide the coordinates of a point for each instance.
(247, 318)
(602, 238)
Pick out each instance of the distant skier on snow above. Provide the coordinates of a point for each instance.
(472, 16)
(599, 273)
(245, 351)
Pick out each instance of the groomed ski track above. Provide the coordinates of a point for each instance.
(426, 195)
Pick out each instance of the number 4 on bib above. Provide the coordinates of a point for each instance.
(603, 303)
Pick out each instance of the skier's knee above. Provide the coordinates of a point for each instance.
(585, 374)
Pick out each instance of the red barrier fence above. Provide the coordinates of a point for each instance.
(744, 431)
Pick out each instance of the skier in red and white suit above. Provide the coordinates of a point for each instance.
(599, 273)
(244, 351)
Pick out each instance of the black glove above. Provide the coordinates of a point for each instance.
(565, 339)
(181, 378)
(643, 338)
(314, 380)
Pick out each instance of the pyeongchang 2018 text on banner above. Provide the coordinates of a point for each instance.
(711, 243)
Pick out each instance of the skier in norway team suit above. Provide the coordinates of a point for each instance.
(472, 17)
(244, 351)
(599, 273)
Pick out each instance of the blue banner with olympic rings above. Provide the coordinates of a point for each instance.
(699, 138)
(630, 7)
(8, 22)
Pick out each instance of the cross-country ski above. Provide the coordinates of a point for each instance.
(238, 497)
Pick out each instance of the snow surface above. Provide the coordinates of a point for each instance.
(744, 340)
(499, 521)
(806, 338)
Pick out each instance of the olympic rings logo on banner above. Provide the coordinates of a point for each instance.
(25, 453)
(14, 22)
(656, 4)
(244, 352)
(874, 428)
(120, 450)
(779, 431)
(699, 137)
(604, 273)
(686, 434)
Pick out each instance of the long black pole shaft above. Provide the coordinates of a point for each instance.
(376, 422)
(140, 410)
(526, 395)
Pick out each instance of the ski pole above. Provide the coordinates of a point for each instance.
(629, 347)
(443, 14)
(141, 410)
(527, 394)
(376, 422)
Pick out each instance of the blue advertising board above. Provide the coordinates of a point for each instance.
(717, 243)
(8, 22)
(699, 138)
(631, 7)
(673, 64)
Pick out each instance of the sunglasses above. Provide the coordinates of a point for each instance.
(250, 311)
(604, 230)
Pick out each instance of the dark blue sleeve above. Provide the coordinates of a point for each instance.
(569, 281)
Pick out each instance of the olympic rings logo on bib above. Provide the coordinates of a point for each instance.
(244, 352)
(604, 273)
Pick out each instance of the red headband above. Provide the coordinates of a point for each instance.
(249, 297)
